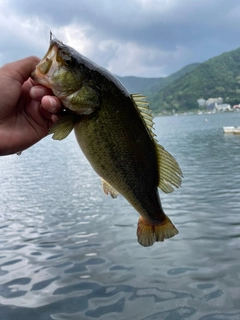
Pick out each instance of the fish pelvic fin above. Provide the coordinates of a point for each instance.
(108, 189)
(170, 174)
(148, 233)
(62, 128)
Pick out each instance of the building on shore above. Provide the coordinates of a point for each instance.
(201, 102)
(223, 107)
(212, 104)
(236, 106)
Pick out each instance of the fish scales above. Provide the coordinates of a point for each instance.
(115, 149)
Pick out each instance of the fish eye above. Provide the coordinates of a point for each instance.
(68, 61)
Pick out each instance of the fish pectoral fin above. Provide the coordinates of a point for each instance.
(170, 173)
(149, 233)
(108, 189)
(62, 128)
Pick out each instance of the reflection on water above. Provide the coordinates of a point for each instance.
(69, 252)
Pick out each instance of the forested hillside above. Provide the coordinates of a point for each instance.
(217, 77)
(149, 86)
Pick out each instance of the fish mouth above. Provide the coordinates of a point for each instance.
(46, 67)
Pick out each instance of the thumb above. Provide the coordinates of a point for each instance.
(20, 70)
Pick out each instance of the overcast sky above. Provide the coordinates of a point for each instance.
(147, 38)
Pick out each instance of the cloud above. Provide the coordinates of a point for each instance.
(130, 58)
(19, 38)
(138, 37)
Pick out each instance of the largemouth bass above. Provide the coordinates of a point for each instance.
(115, 132)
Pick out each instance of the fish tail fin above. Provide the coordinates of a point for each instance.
(149, 233)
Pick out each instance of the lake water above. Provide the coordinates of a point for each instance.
(68, 251)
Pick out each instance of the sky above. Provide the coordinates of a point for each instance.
(143, 38)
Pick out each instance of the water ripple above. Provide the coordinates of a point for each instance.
(69, 252)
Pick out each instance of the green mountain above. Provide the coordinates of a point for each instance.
(149, 86)
(163, 82)
(217, 77)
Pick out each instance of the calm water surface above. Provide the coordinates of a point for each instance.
(67, 251)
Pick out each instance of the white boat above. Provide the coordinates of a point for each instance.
(235, 130)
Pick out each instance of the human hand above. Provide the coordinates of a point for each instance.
(27, 110)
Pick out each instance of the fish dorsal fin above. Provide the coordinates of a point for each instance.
(170, 174)
(145, 113)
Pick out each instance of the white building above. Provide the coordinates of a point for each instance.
(222, 107)
(201, 102)
(213, 101)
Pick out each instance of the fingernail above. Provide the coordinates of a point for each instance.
(53, 103)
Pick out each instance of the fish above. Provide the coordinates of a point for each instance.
(115, 131)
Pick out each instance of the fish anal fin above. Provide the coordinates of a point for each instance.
(149, 233)
(108, 189)
(62, 128)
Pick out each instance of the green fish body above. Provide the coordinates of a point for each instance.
(114, 130)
